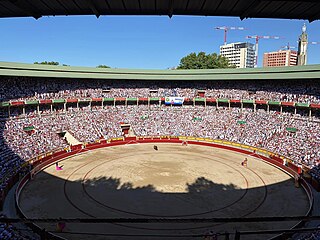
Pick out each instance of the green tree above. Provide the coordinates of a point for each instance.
(203, 61)
(48, 63)
(103, 66)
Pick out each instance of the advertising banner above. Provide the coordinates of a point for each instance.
(174, 100)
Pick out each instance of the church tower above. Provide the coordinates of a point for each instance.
(302, 48)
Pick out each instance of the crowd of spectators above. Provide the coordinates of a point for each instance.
(259, 128)
(306, 91)
(9, 232)
(310, 236)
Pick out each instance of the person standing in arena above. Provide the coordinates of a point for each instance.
(245, 162)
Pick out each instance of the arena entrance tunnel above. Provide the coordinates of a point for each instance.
(105, 180)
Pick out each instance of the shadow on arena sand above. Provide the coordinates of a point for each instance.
(109, 197)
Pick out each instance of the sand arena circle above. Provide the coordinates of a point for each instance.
(133, 181)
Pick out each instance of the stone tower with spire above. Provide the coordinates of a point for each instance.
(302, 48)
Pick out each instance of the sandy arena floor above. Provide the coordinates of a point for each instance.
(133, 181)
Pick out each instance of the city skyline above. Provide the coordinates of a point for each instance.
(139, 42)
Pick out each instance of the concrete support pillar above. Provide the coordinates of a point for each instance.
(23, 110)
(280, 109)
(268, 108)
(254, 107)
(295, 111)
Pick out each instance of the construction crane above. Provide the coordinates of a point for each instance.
(226, 29)
(287, 47)
(257, 38)
(314, 43)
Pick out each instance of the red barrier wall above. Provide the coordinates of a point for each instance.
(76, 147)
(130, 138)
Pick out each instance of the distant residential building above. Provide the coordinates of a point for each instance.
(280, 58)
(240, 54)
(302, 47)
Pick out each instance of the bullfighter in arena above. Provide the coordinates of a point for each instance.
(245, 162)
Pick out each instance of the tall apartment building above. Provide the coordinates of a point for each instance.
(280, 59)
(240, 54)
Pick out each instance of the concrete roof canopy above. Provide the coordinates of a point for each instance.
(254, 74)
(286, 9)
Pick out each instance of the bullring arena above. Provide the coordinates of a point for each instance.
(134, 180)
(81, 144)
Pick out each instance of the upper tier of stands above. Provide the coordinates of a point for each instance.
(304, 91)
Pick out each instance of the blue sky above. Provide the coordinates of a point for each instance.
(138, 42)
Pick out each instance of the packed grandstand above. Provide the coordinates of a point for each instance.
(272, 115)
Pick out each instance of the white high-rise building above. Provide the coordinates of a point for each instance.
(240, 54)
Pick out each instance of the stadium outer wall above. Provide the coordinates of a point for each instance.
(49, 158)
